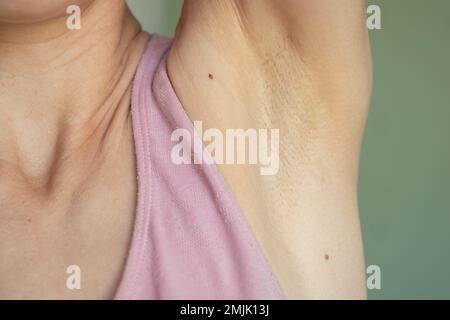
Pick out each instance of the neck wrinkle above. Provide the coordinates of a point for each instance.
(68, 96)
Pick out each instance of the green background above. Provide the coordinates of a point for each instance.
(405, 164)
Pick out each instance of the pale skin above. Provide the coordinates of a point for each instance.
(67, 166)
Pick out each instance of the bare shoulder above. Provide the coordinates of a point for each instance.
(302, 67)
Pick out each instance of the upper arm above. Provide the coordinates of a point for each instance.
(301, 66)
(328, 38)
(295, 63)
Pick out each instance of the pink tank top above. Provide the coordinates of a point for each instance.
(190, 239)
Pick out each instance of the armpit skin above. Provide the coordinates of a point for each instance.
(303, 67)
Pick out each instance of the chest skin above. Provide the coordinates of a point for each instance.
(83, 220)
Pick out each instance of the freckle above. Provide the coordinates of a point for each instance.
(327, 257)
(210, 76)
(29, 220)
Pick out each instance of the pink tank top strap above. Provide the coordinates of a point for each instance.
(191, 239)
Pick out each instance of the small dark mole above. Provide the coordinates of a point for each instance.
(327, 257)
(29, 220)
(210, 76)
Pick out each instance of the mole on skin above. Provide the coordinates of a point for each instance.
(210, 76)
(327, 257)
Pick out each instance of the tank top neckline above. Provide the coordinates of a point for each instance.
(154, 104)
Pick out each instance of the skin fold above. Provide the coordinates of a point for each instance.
(300, 66)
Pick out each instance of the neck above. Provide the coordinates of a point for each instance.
(63, 91)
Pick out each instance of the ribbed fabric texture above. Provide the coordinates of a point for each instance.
(190, 240)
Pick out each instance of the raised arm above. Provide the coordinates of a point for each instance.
(304, 67)
(328, 36)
